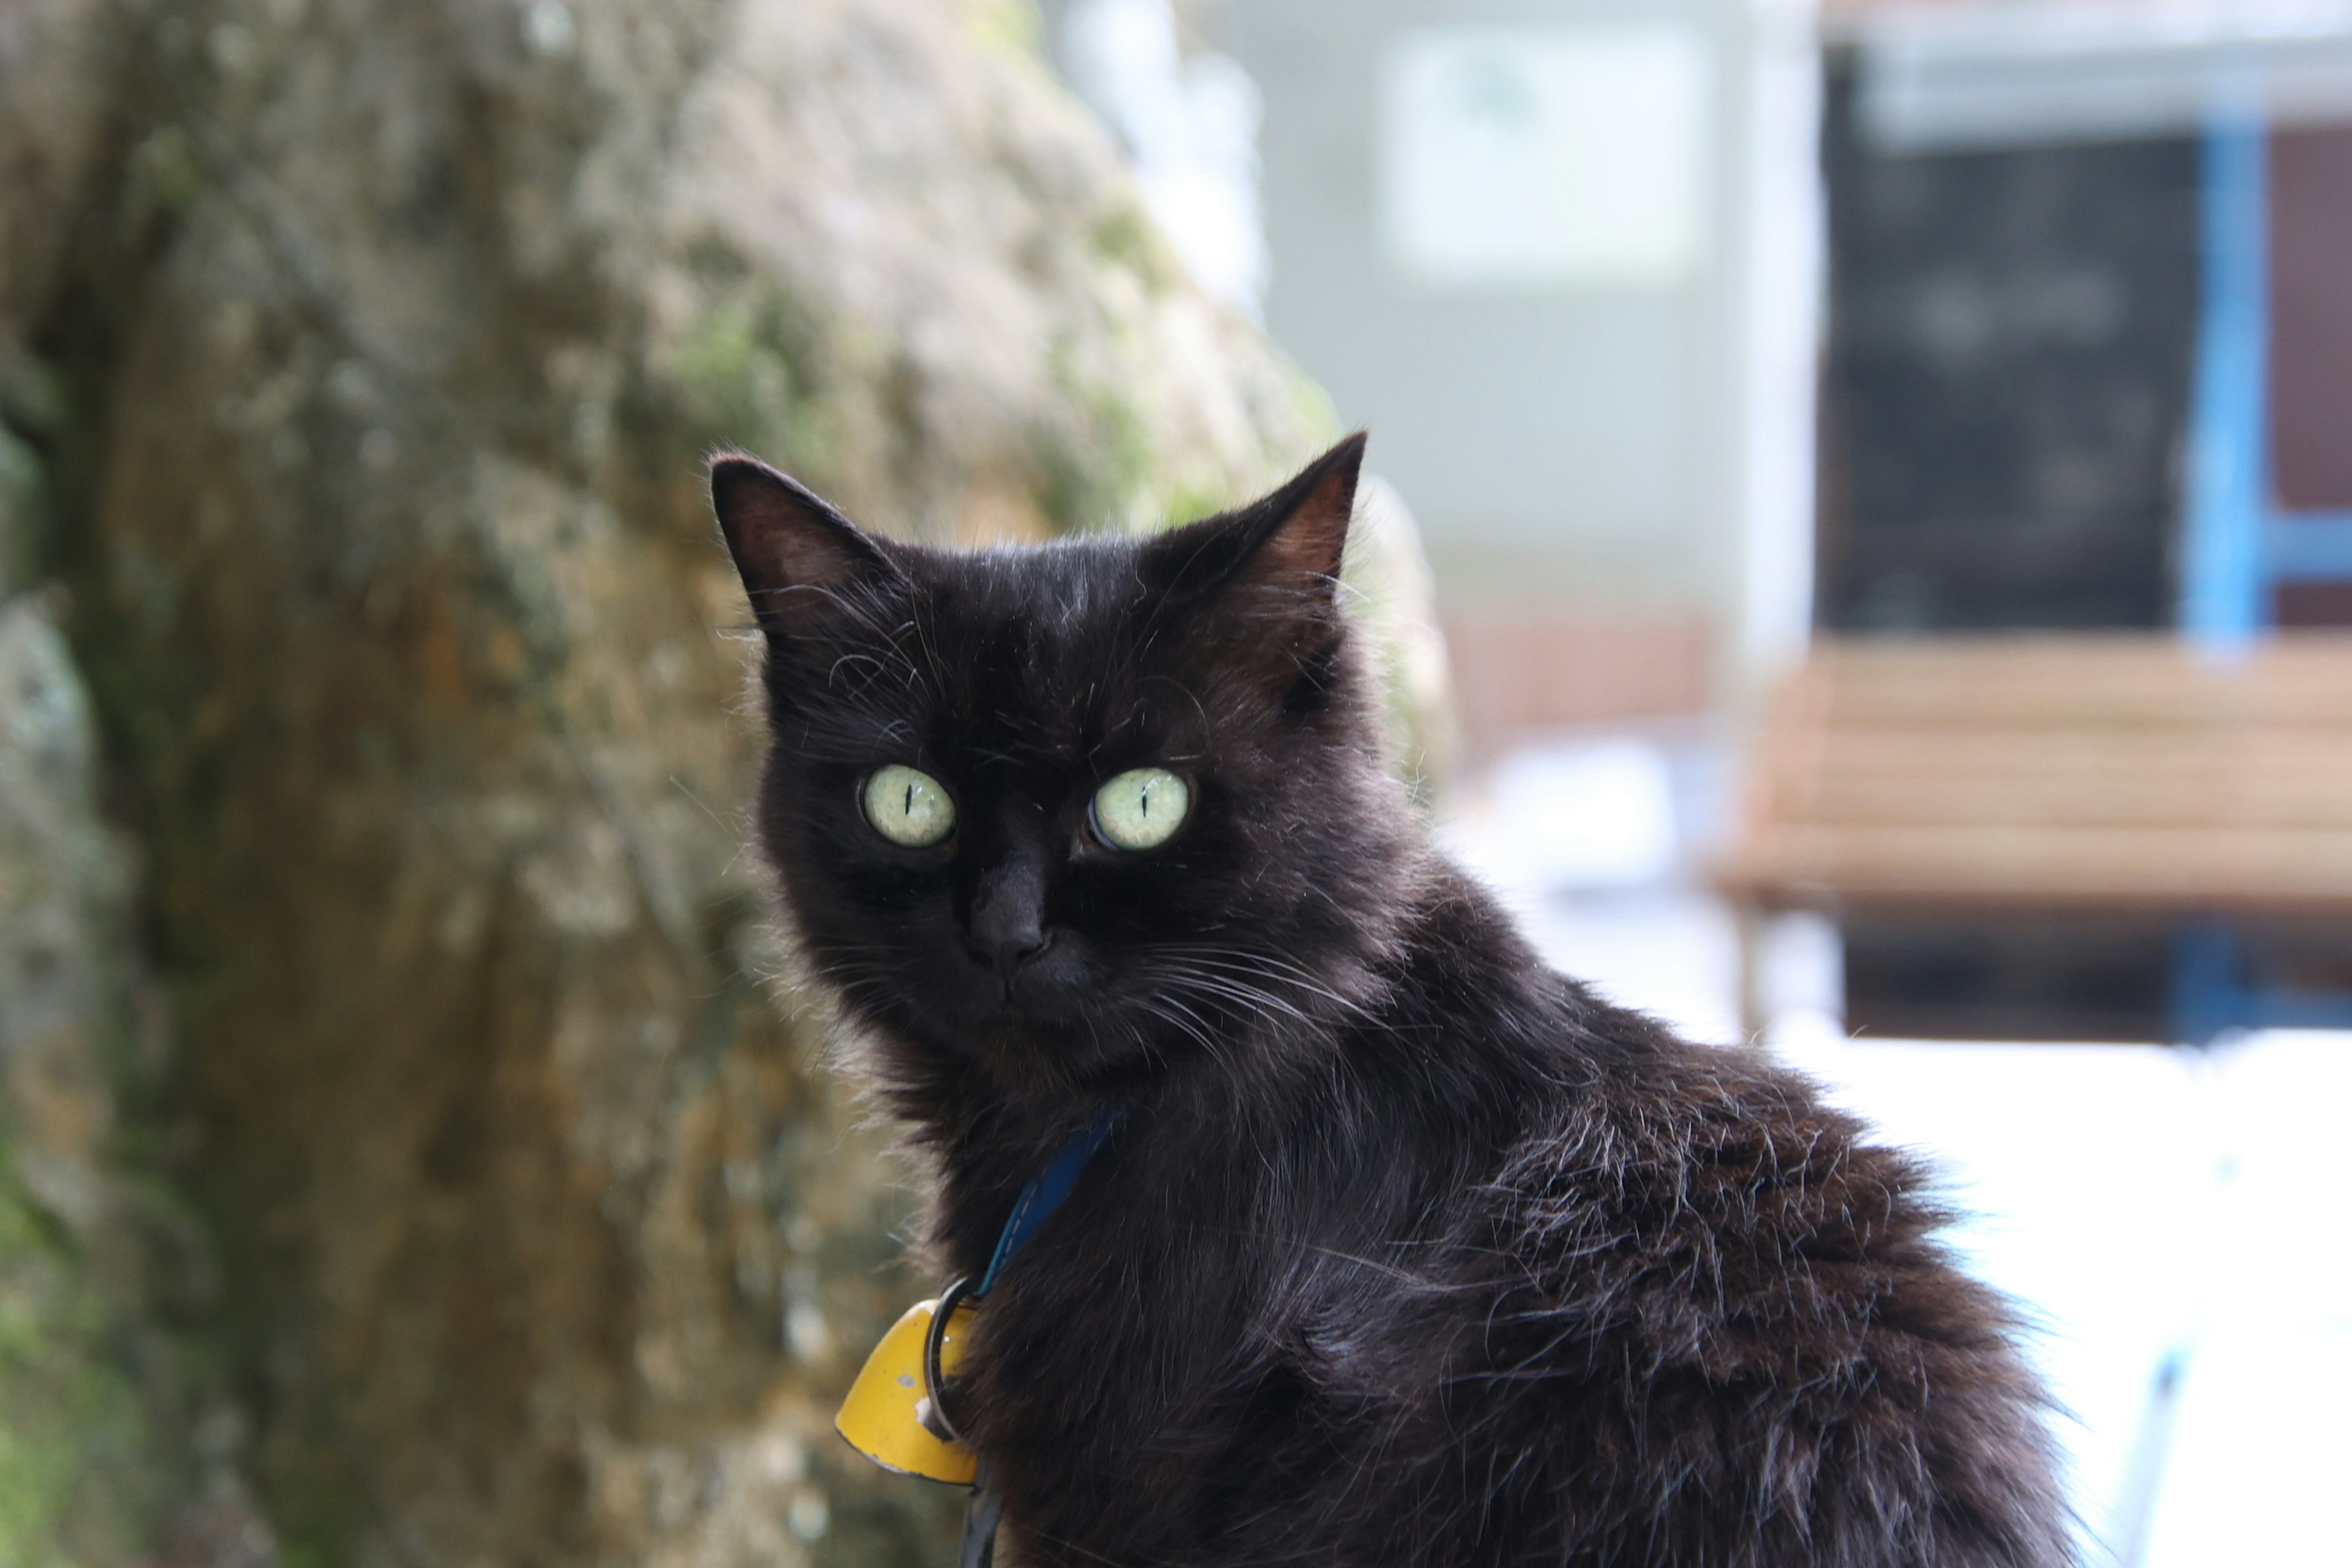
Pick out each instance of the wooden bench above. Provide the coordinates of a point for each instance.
(2123, 776)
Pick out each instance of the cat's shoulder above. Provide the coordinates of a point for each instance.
(1669, 1141)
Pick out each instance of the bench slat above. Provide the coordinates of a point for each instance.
(2039, 771)
(2176, 868)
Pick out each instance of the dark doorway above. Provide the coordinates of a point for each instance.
(2011, 336)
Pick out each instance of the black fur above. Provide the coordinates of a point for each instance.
(1411, 1251)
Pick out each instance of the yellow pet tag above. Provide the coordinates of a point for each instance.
(880, 1418)
(892, 1414)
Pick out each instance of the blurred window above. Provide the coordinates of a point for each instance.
(1517, 156)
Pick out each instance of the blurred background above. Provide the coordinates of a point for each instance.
(1861, 557)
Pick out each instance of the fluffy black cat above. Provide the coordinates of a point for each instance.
(1409, 1250)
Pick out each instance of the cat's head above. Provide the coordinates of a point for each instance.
(1076, 814)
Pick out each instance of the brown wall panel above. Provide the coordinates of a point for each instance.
(2311, 319)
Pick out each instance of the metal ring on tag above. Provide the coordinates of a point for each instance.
(935, 1383)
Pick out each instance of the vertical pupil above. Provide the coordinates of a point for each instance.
(909, 807)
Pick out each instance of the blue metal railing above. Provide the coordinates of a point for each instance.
(2222, 600)
(2237, 544)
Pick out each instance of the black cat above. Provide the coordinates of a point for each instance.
(1408, 1250)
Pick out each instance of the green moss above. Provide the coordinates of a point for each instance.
(735, 372)
(1006, 27)
(1191, 502)
(1312, 406)
(167, 174)
(63, 1406)
(1103, 474)
(1125, 236)
(736, 383)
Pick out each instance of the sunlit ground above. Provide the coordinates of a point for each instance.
(2152, 1210)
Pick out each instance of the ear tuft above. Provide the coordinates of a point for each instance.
(1291, 541)
(784, 536)
(1309, 520)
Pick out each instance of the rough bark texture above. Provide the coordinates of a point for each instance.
(75, 1477)
(361, 355)
(113, 1439)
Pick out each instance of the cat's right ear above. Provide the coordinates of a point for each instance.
(793, 549)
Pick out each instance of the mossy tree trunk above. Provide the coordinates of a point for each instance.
(365, 353)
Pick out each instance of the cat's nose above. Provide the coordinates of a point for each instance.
(1008, 918)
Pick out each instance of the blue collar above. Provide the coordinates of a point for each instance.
(1047, 1191)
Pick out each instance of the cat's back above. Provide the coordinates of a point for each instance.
(1715, 1323)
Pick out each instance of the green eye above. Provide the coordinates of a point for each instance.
(908, 807)
(1141, 808)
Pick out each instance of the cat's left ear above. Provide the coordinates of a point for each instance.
(795, 551)
(1279, 555)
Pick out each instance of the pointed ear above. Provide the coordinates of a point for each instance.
(784, 537)
(1288, 545)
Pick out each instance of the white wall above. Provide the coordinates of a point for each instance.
(1593, 430)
